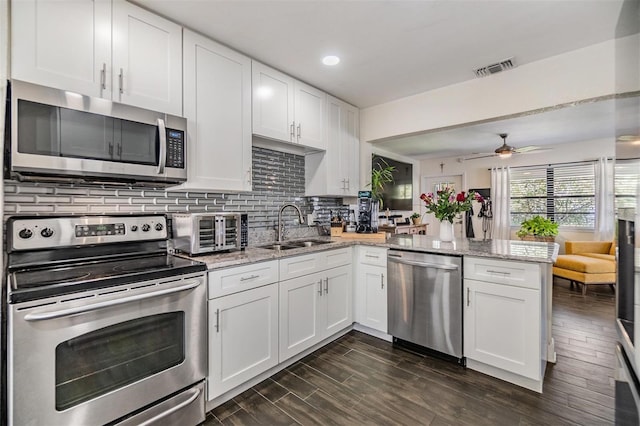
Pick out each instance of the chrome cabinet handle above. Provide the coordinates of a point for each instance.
(382, 281)
(162, 132)
(498, 272)
(103, 76)
(110, 149)
(468, 296)
(121, 81)
(299, 132)
(250, 277)
(35, 316)
(320, 287)
(292, 130)
(119, 150)
(217, 320)
(249, 176)
(195, 394)
(372, 256)
(326, 286)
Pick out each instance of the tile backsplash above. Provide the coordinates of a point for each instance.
(278, 178)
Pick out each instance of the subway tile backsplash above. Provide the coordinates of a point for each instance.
(277, 178)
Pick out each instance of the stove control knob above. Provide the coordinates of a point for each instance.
(146, 227)
(46, 232)
(25, 233)
(134, 228)
(159, 227)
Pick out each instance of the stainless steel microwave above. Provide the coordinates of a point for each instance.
(56, 134)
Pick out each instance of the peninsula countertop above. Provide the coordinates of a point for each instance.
(525, 251)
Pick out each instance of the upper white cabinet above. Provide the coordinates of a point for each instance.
(217, 105)
(286, 109)
(336, 172)
(113, 50)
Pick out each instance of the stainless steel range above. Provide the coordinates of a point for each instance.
(103, 325)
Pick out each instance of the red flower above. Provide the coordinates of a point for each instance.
(479, 198)
(423, 197)
(460, 197)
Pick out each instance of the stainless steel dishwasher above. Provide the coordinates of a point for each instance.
(425, 300)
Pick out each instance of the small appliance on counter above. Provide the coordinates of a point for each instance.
(203, 233)
(367, 213)
(351, 225)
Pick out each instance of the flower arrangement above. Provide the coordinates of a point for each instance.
(446, 204)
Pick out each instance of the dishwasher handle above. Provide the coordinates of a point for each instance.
(423, 264)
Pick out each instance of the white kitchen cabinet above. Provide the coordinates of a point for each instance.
(336, 172)
(108, 49)
(312, 308)
(66, 45)
(243, 337)
(287, 110)
(371, 288)
(315, 298)
(503, 322)
(217, 105)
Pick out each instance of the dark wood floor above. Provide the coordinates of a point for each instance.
(359, 379)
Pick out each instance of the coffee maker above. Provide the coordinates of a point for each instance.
(367, 213)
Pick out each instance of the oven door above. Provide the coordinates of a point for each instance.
(102, 356)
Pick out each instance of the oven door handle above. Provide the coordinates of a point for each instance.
(154, 419)
(39, 316)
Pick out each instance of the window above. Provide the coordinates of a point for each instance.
(565, 194)
(625, 183)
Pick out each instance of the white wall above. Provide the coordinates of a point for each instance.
(577, 75)
(477, 175)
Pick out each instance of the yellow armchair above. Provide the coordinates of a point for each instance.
(587, 263)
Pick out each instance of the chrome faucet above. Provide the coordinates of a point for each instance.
(281, 225)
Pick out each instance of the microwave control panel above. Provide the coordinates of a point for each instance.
(175, 148)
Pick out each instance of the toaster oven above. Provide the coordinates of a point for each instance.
(202, 233)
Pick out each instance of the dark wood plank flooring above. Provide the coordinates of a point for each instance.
(361, 380)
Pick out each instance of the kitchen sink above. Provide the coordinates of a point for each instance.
(288, 245)
(307, 243)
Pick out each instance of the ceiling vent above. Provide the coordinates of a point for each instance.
(507, 64)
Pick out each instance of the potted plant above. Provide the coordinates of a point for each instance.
(381, 174)
(538, 228)
(416, 219)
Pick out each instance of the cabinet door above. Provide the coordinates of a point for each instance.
(243, 337)
(217, 105)
(502, 327)
(337, 299)
(310, 106)
(66, 45)
(350, 149)
(300, 314)
(373, 297)
(272, 103)
(334, 175)
(147, 59)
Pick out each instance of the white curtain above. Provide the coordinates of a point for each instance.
(500, 202)
(604, 226)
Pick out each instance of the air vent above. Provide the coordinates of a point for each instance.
(495, 68)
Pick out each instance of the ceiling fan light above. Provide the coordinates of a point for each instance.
(506, 154)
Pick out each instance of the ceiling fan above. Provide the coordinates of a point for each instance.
(505, 151)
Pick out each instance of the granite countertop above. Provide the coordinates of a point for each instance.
(526, 251)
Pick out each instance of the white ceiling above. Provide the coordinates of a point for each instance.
(390, 49)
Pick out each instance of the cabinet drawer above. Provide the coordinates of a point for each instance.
(518, 274)
(297, 266)
(232, 280)
(375, 256)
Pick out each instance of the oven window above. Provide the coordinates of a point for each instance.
(95, 363)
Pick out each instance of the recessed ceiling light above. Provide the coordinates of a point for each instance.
(331, 60)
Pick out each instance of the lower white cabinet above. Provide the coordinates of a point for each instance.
(243, 337)
(501, 327)
(503, 324)
(371, 288)
(313, 307)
